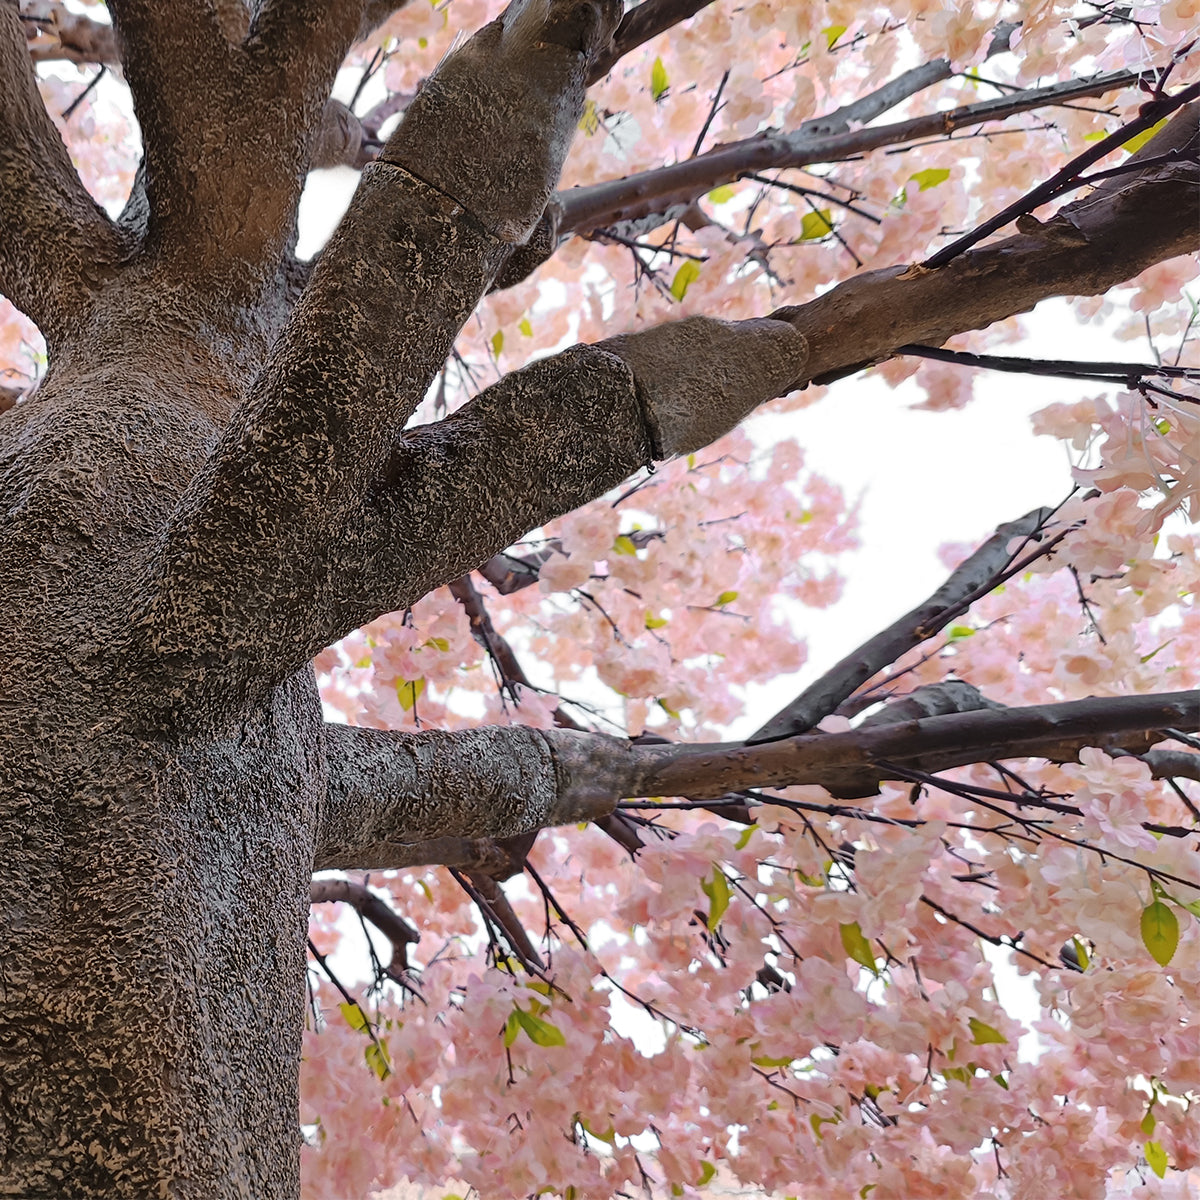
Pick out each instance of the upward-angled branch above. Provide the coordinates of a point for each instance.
(56, 244)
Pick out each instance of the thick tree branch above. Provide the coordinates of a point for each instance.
(639, 25)
(56, 245)
(388, 791)
(972, 579)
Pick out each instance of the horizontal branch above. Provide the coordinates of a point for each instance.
(399, 933)
(855, 763)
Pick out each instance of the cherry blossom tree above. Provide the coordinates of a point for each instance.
(437, 566)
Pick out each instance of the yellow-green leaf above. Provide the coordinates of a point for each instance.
(439, 643)
(653, 622)
(512, 1027)
(1001, 1081)
(525, 325)
(658, 79)
(408, 692)
(497, 342)
(688, 273)
(1138, 140)
(1097, 135)
(983, 1034)
(930, 177)
(958, 632)
(1163, 426)
(707, 1171)
(590, 121)
(426, 889)
(962, 1074)
(722, 194)
(716, 888)
(744, 838)
(1160, 932)
(539, 1031)
(355, 1017)
(726, 598)
(624, 545)
(1148, 1122)
(1081, 954)
(377, 1059)
(770, 1060)
(832, 33)
(816, 225)
(857, 946)
(671, 712)
(1156, 1156)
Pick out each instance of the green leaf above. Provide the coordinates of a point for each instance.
(653, 622)
(726, 598)
(1147, 657)
(624, 545)
(540, 1032)
(716, 888)
(688, 273)
(355, 1017)
(1138, 140)
(707, 1171)
(769, 1060)
(832, 33)
(408, 692)
(1163, 426)
(1160, 932)
(1001, 1081)
(930, 177)
(1156, 1156)
(525, 325)
(958, 632)
(658, 79)
(962, 1074)
(816, 225)
(1149, 1122)
(1081, 954)
(744, 838)
(1096, 136)
(722, 194)
(439, 643)
(857, 946)
(590, 121)
(983, 1035)
(377, 1059)
(512, 1027)
(497, 342)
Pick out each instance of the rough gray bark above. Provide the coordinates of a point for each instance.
(205, 490)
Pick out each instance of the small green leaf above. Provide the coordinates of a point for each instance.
(539, 1031)
(408, 692)
(497, 342)
(1081, 954)
(426, 889)
(857, 946)
(866, 1190)
(1160, 932)
(1096, 136)
(1001, 1081)
(726, 598)
(653, 622)
(832, 33)
(707, 1171)
(1147, 657)
(590, 121)
(983, 1034)
(671, 712)
(512, 1027)
(722, 194)
(624, 545)
(1138, 140)
(744, 838)
(958, 632)
(658, 79)
(439, 643)
(716, 888)
(1156, 1156)
(930, 177)
(962, 1074)
(525, 325)
(688, 273)
(377, 1059)
(769, 1060)
(816, 225)
(1163, 426)
(355, 1017)
(1149, 1122)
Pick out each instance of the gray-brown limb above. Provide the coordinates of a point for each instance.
(969, 580)
(57, 246)
(399, 933)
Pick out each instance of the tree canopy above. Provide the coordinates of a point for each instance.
(478, 472)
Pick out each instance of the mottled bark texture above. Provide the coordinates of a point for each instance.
(205, 490)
